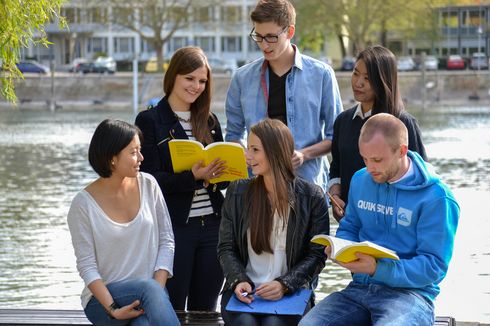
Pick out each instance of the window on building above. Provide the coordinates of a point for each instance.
(70, 14)
(97, 45)
(449, 19)
(123, 14)
(207, 44)
(231, 44)
(203, 14)
(252, 45)
(231, 14)
(98, 15)
(124, 45)
(178, 14)
(147, 46)
(177, 42)
(472, 18)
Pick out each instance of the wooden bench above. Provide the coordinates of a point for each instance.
(23, 317)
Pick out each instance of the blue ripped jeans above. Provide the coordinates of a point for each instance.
(371, 304)
(154, 300)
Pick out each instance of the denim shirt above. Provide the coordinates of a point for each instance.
(312, 104)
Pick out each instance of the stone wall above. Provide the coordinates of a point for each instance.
(441, 87)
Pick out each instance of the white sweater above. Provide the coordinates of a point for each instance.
(113, 251)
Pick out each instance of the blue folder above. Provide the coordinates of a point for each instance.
(294, 304)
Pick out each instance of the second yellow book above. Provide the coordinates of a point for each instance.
(185, 153)
(344, 251)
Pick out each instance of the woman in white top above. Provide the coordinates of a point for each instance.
(266, 227)
(122, 234)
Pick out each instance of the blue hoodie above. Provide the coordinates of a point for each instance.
(417, 217)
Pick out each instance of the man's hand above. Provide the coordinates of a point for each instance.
(338, 212)
(298, 159)
(364, 265)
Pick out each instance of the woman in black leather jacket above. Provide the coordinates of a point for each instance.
(266, 227)
(194, 204)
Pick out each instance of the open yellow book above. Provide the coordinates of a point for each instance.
(344, 250)
(185, 153)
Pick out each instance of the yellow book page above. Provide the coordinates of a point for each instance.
(234, 156)
(185, 153)
(344, 250)
(348, 254)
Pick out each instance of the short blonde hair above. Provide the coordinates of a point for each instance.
(390, 127)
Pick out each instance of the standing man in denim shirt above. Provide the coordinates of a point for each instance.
(284, 84)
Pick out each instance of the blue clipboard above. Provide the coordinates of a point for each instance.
(294, 304)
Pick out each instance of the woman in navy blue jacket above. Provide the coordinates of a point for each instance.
(193, 203)
(375, 86)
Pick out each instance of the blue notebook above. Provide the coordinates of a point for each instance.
(294, 304)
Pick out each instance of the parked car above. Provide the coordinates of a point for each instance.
(431, 62)
(101, 65)
(151, 65)
(479, 61)
(32, 66)
(227, 66)
(455, 62)
(405, 64)
(348, 64)
(75, 65)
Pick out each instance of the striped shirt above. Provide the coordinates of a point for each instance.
(201, 203)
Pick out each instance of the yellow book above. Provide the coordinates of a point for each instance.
(344, 250)
(185, 153)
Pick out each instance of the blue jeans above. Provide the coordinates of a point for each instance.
(198, 276)
(371, 304)
(154, 300)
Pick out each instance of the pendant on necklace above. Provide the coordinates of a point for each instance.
(182, 119)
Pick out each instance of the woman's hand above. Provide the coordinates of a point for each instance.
(338, 211)
(270, 291)
(211, 171)
(130, 311)
(240, 289)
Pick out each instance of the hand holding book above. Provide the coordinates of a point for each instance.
(213, 170)
(345, 251)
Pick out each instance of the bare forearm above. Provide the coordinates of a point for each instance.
(316, 150)
(161, 277)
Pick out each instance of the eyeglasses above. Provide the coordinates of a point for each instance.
(269, 38)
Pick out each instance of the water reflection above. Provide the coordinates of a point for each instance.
(43, 164)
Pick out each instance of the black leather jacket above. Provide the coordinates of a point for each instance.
(159, 125)
(308, 216)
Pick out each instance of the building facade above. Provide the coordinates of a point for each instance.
(461, 30)
(221, 29)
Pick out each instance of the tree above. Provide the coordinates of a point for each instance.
(365, 22)
(155, 21)
(21, 21)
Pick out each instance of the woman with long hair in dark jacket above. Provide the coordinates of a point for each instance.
(375, 86)
(193, 203)
(266, 227)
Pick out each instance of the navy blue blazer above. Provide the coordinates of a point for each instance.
(159, 125)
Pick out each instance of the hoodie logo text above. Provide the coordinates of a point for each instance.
(373, 207)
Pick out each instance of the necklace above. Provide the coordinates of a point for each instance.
(181, 119)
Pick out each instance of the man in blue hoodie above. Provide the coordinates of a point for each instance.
(398, 202)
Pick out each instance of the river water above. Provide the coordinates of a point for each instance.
(43, 163)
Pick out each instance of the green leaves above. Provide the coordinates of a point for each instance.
(22, 22)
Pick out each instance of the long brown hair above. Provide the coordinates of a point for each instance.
(383, 78)
(184, 61)
(278, 145)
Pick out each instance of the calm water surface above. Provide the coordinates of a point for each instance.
(43, 164)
